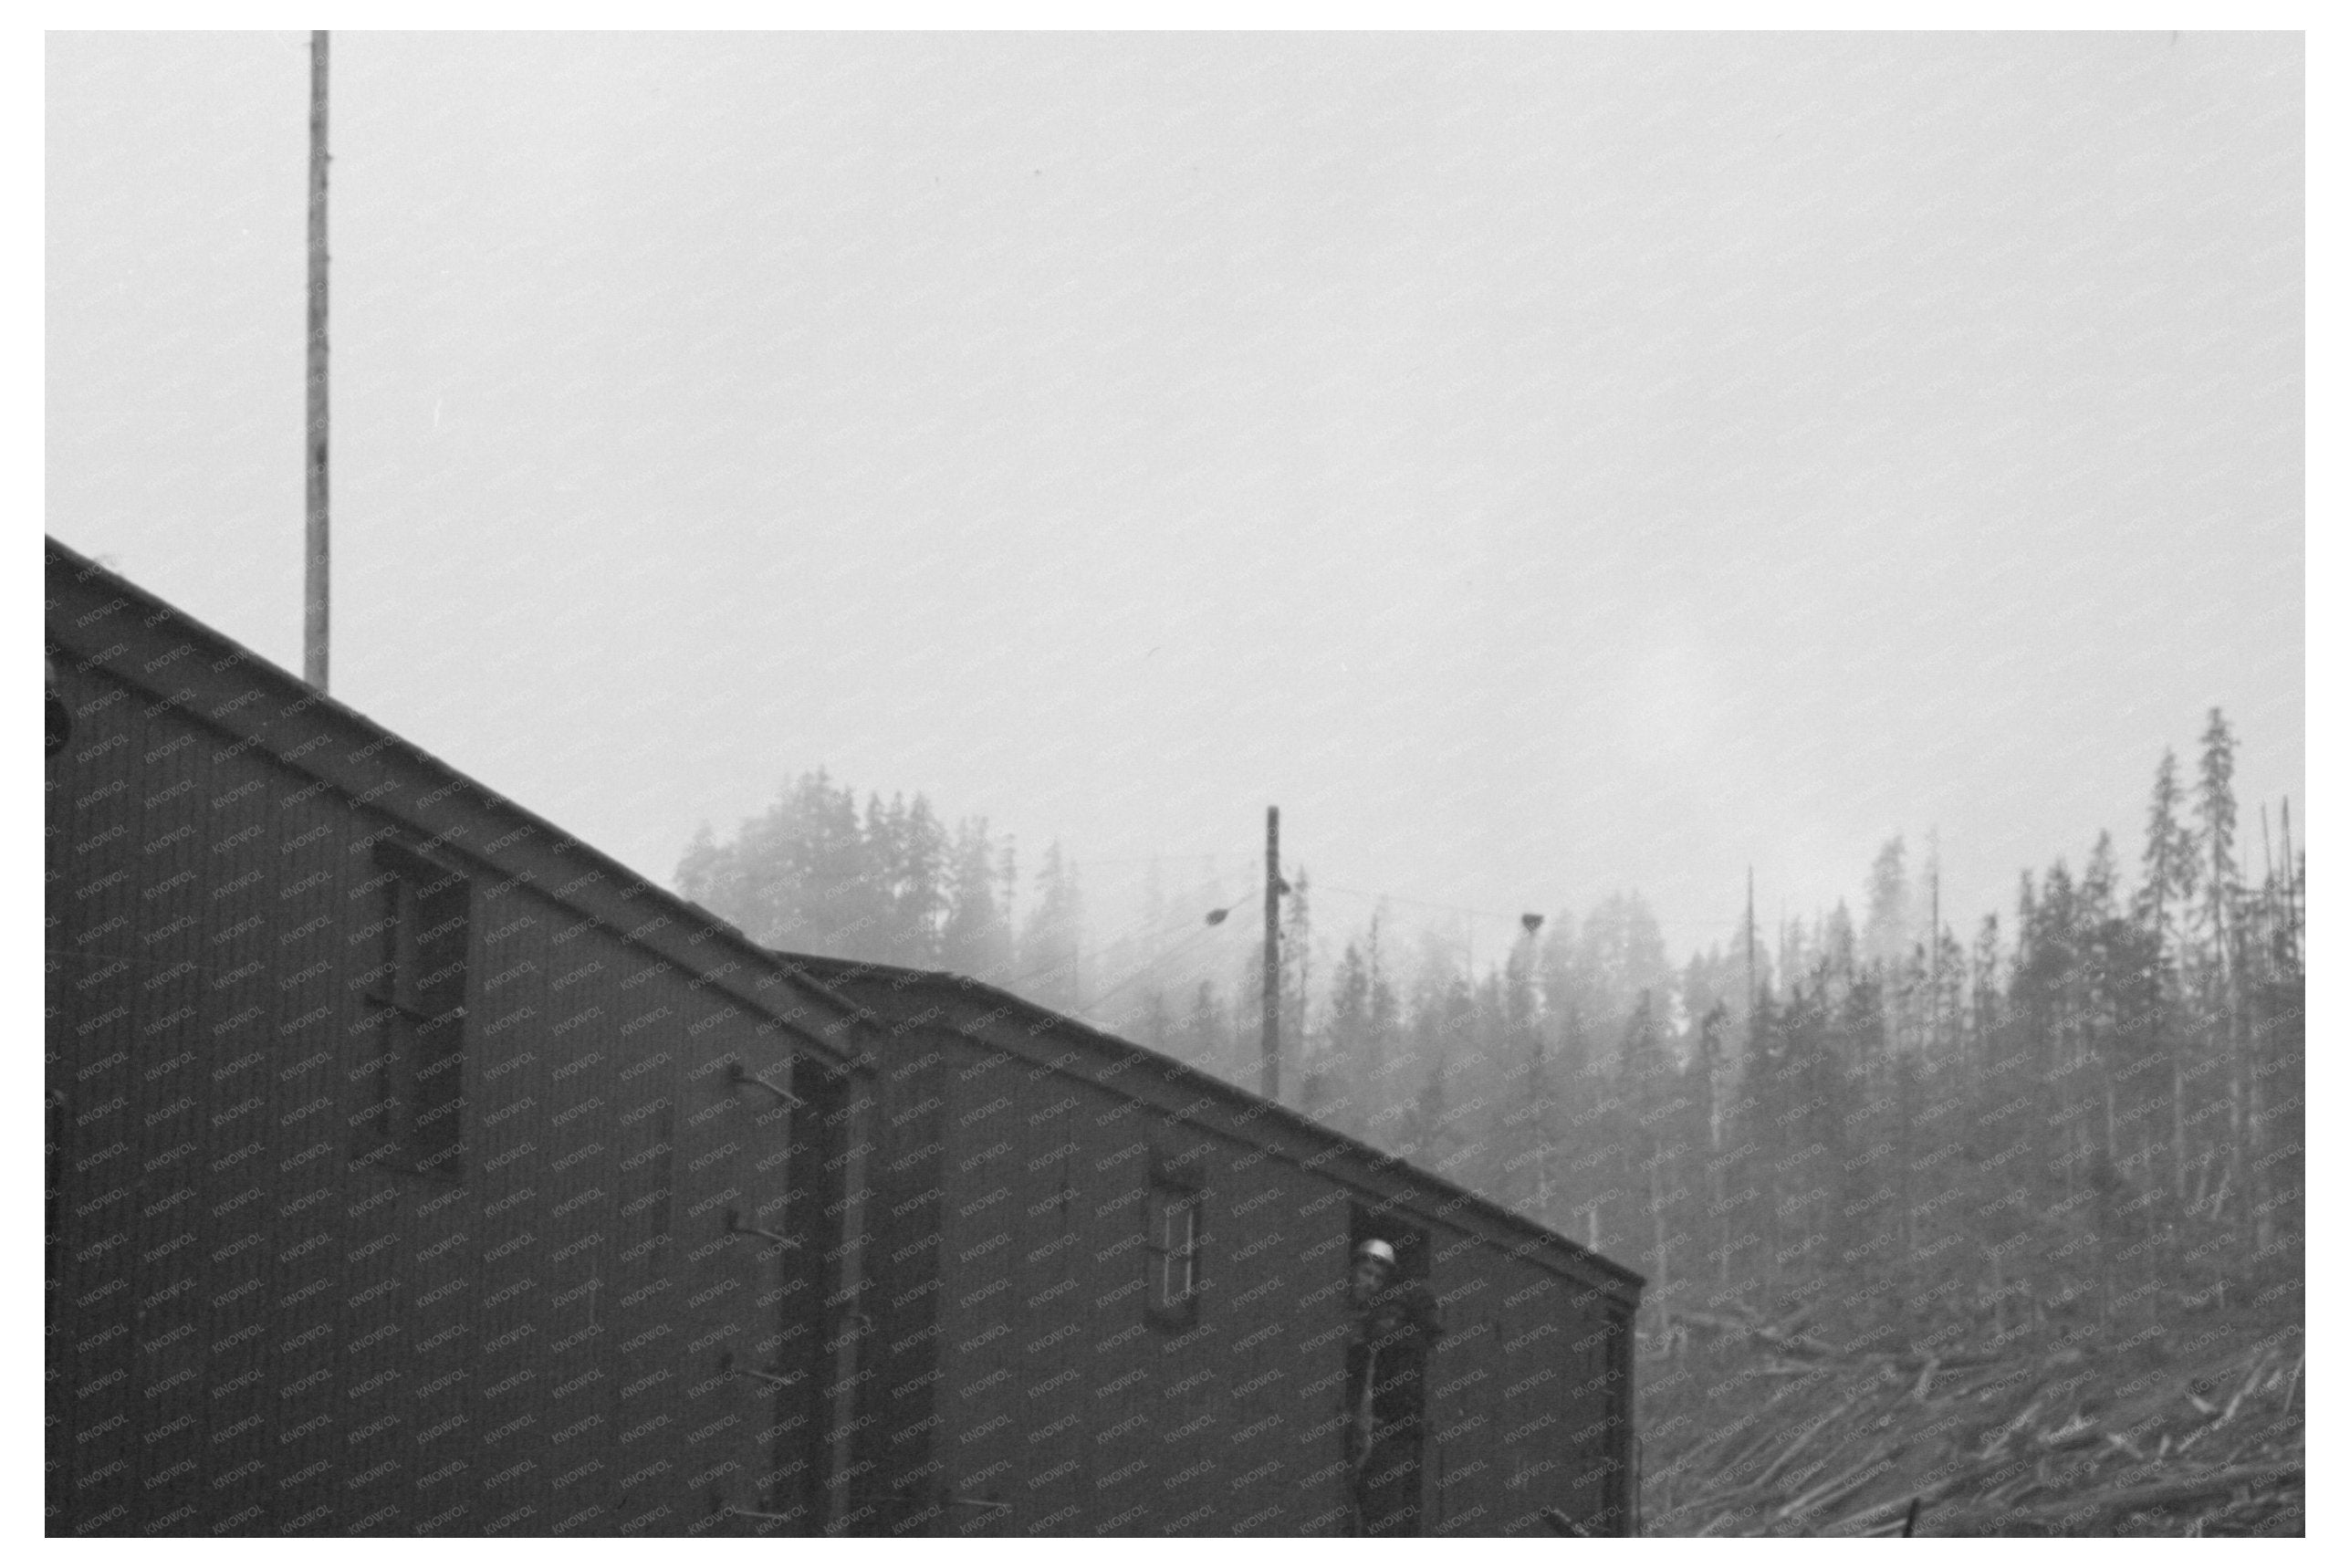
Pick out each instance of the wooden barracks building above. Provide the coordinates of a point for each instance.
(415, 1169)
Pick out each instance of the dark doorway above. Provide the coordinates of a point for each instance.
(1620, 1516)
(813, 1313)
(1393, 1330)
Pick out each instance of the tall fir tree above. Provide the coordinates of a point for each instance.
(1346, 1041)
(975, 938)
(1885, 931)
(1050, 941)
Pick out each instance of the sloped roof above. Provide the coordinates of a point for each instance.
(109, 621)
(912, 997)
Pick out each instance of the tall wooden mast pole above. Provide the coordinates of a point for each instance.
(314, 442)
(1271, 1082)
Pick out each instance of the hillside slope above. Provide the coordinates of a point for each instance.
(2191, 1425)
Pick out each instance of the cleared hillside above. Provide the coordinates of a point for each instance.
(2189, 1425)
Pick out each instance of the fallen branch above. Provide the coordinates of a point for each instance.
(2162, 1494)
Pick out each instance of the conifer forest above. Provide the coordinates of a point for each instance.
(1981, 1221)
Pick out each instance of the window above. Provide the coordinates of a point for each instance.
(1175, 1237)
(1178, 1251)
(416, 998)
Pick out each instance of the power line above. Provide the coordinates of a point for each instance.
(1121, 934)
(1322, 886)
(1151, 964)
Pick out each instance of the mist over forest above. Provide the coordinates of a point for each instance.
(1798, 1102)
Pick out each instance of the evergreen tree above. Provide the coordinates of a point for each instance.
(1643, 1078)
(2279, 999)
(1008, 881)
(798, 877)
(1426, 1132)
(1619, 954)
(1049, 942)
(1849, 1130)
(1444, 1017)
(1798, 954)
(1839, 955)
(1346, 1039)
(2167, 868)
(976, 938)
(840, 915)
(1885, 936)
(924, 884)
(1315, 1085)
(1382, 1020)
(1710, 1073)
(1525, 1098)
(1157, 1024)
(1208, 1044)
(2215, 811)
(1765, 1097)
(1557, 969)
(880, 858)
(703, 869)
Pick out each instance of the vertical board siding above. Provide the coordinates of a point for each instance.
(977, 1395)
(1059, 1397)
(94, 907)
(892, 1449)
(257, 1329)
(645, 1118)
(815, 1300)
(1098, 1419)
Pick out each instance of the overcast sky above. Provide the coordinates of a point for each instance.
(1543, 466)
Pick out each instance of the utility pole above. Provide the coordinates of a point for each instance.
(1271, 1085)
(1537, 1080)
(314, 441)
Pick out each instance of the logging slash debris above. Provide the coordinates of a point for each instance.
(1760, 1430)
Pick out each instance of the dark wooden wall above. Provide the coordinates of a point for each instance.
(251, 1331)
(1039, 1381)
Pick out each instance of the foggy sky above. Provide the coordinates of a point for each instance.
(1543, 466)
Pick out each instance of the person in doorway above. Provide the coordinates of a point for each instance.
(1395, 1325)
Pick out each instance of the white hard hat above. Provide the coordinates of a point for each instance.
(1374, 1247)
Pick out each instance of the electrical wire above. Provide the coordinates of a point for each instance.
(1467, 909)
(1116, 937)
(1210, 924)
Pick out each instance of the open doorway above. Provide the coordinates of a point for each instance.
(1393, 1330)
